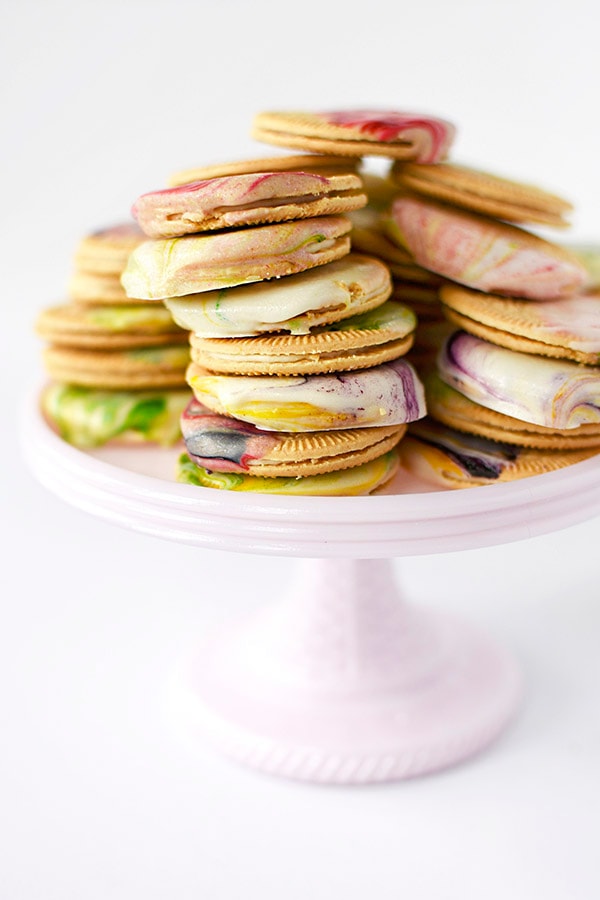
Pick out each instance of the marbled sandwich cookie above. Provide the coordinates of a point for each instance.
(90, 417)
(451, 408)
(369, 339)
(222, 444)
(389, 394)
(105, 327)
(295, 304)
(319, 163)
(453, 459)
(483, 253)
(234, 201)
(136, 368)
(564, 329)
(172, 268)
(105, 252)
(483, 192)
(361, 132)
(549, 392)
(361, 480)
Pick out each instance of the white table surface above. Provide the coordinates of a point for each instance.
(101, 796)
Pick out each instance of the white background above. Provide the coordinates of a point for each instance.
(99, 798)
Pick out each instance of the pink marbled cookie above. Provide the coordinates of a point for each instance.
(359, 132)
(483, 253)
(158, 269)
(247, 199)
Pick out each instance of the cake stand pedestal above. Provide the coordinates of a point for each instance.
(341, 680)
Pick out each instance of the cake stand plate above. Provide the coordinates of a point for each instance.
(341, 681)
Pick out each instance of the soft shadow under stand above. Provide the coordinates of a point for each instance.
(342, 680)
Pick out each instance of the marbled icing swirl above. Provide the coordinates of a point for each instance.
(389, 394)
(555, 394)
(431, 136)
(482, 253)
(172, 268)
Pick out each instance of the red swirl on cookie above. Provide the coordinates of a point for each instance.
(433, 136)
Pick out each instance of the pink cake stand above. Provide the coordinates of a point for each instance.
(342, 681)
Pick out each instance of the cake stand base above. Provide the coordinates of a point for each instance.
(342, 682)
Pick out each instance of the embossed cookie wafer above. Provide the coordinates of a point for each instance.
(105, 252)
(564, 329)
(369, 339)
(223, 444)
(294, 304)
(389, 394)
(454, 459)
(109, 327)
(549, 392)
(320, 163)
(137, 368)
(89, 417)
(482, 252)
(361, 132)
(88, 287)
(357, 481)
(196, 263)
(447, 405)
(233, 201)
(483, 192)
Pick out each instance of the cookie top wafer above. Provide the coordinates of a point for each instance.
(482, 252)
(105, 252)
(369, 339)
(453, 459)
(320, 163)
(389, 394)
(549, 392)
(233, 201)
(565, 329)
(179, 266)
(294, 304)
(109, 327)
(88, 417)
(483, 192)
(223, 444)
(356, 481)
(449, 406)
(136, 368)
(360, 132)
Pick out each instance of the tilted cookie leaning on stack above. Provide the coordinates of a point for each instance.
(117, 365)
(296, 349)
(516, 300)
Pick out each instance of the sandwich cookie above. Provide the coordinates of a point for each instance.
(133, 368)
(549, 392)
(222, 444)
(451, 408)
(361, 132)
(295, 304)
(319, 163)
(105, 252)
(171, 268)
(89, 417)
(368, 236)
(233, 201)
(89, 287)
(482, 192)
(453, 459)
(357, 481)
(483, 253)
(109, 327)
(565, 329)
(369, 339)
(389, 394)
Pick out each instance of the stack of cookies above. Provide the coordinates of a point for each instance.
(297, 371)
(516, 388)
(117, 365)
